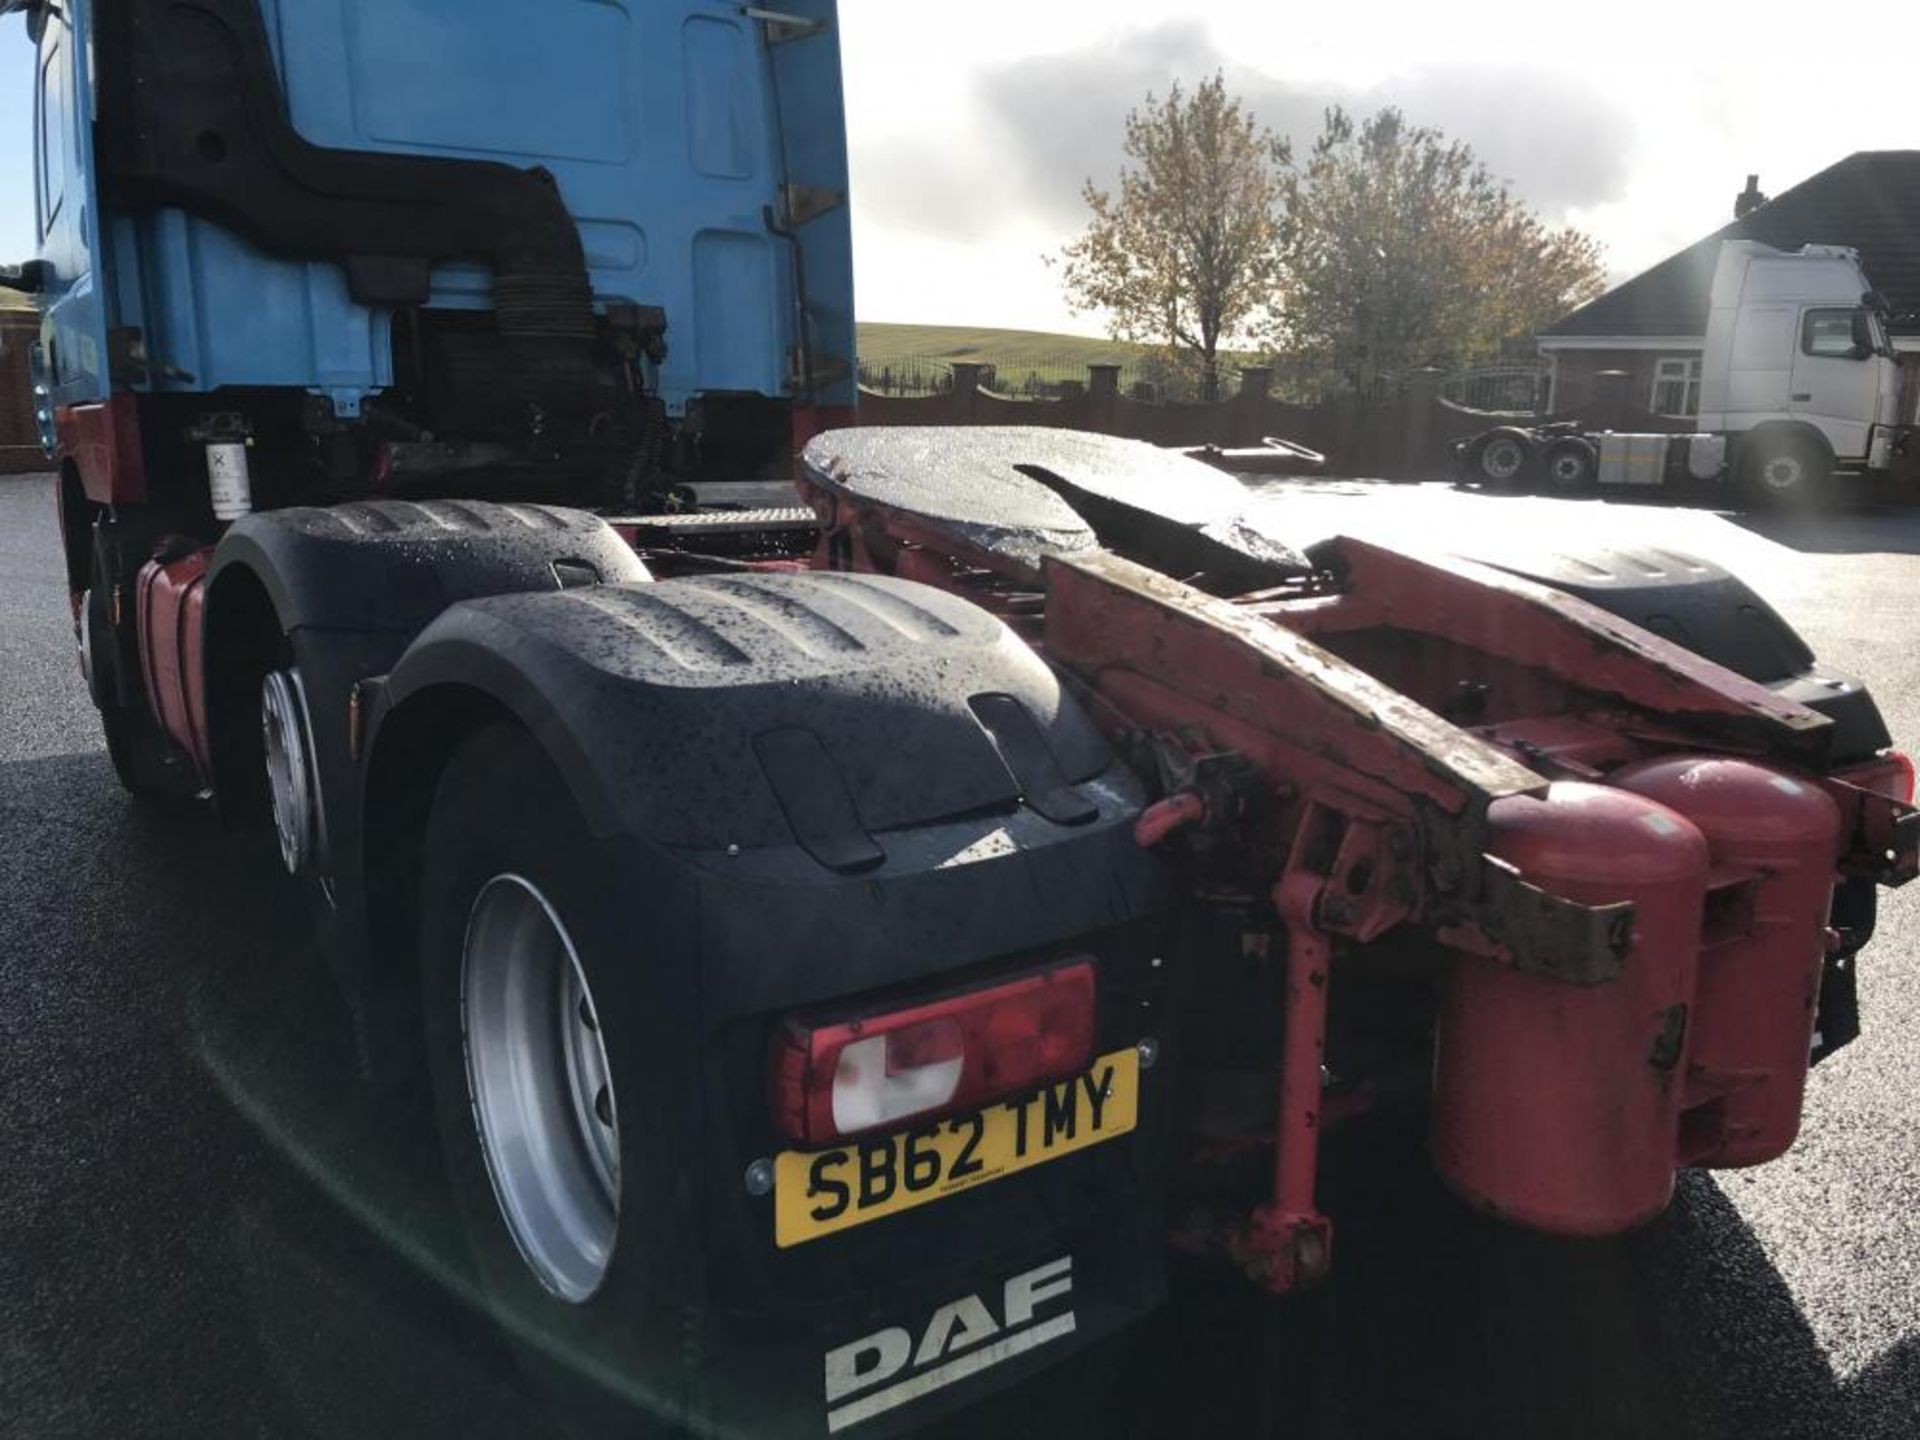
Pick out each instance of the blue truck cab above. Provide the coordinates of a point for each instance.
(588, 250)
(397, 357)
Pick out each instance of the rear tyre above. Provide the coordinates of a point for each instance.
(1569, 467)
(549, 1122)
(1499, 459)
(1785, 472)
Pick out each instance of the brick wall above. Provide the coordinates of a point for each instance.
(1579, 390)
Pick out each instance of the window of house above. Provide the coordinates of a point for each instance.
(1828, 333)
(1676, 386)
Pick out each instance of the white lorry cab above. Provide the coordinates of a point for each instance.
(1798, 382)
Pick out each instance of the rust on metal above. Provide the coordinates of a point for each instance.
(1365, 725)
(1540, 933)
(1574, 640)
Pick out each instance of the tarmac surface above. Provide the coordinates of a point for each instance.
(207, 1228)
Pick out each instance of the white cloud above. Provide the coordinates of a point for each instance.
(973, 126)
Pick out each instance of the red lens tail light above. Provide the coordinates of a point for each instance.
(851, 1076)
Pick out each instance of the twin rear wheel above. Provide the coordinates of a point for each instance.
(1771, 469)
(1506, 459)
(545, 1063)
(1569, 466)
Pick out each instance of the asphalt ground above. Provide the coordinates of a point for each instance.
(207, 1228)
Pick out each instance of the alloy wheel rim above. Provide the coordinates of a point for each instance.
(539, 1086)
(289, 763)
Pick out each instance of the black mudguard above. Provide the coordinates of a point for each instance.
(826, 786)
(1715, 614)
(350, 586)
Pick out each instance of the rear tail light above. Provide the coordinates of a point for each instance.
(1901, 764)
(835, 1080)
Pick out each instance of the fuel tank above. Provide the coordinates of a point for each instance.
(172, 597)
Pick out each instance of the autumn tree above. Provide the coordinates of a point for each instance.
(1402, 250)
(1185, 254)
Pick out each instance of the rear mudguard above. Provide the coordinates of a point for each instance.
(342, 591)
(821, 786)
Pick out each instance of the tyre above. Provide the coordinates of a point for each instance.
(1785, 471)
(1569, 467)
(1499, 458)
(550, 1124)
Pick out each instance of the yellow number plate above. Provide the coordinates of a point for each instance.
(816, 1192)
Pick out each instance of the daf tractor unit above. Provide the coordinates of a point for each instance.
(833, 932)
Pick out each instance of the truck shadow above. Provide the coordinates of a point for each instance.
(256, 1244)
(1862, 530)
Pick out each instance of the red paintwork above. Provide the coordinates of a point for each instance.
(1164, 817)
(1525, 623)
(1547, 1107)
(1562, 1105)
(1288, 1233)
(103, 441)
(811, 420)
(1773, 839)
(172, 600)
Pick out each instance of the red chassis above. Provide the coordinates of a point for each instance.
(1602, 864)
(1609, 861)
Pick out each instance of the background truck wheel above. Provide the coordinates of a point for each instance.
(1499, 458)
(1569, 467)
(547, 1121)
(1785, 470)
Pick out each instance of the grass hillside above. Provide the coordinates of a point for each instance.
(1023, 359)
(1015, 354)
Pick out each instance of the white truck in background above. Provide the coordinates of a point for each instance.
(1798, 382)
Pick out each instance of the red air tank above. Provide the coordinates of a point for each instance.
(1557, 1105)
(1775, 843)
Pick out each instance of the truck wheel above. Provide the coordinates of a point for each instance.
(1787, 470)
(1499, 458)
(1570, 466)
(547, 1127)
